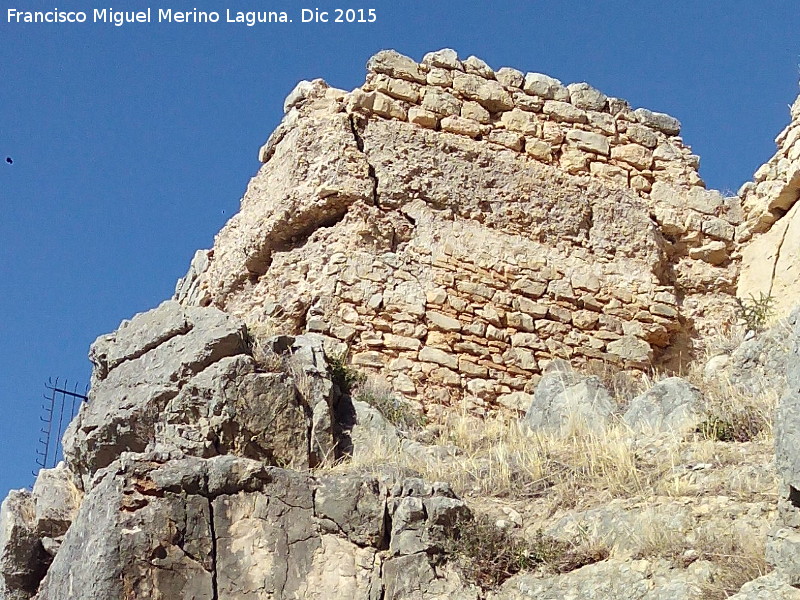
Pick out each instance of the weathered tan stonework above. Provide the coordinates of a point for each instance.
(455, 229)
(771, 232)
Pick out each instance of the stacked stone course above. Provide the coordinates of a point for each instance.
(575, 127)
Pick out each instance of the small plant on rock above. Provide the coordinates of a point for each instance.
(488, 555)
(343, 375)
(360, 387)
(755, 312)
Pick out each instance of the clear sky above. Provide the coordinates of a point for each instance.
(132, 145)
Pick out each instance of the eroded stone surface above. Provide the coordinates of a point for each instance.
(167, 526)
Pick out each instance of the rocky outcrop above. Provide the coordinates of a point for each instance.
(637, 580)
(784, 544)
(168, 526)
(174, 451)
(769, 265)
(471, 236)
(566, 402)
(671, 405)
(184, 378)
(32, 527)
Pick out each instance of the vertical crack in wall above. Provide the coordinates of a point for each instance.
(372, 175)
(777, 258)
(213, 532)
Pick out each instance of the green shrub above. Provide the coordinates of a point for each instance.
(343, 375)
(488, 555)
(736, 427)
(755, 312)
(356, 384)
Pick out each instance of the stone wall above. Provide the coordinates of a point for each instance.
(454, 229)
(771, 233)
(575, 127)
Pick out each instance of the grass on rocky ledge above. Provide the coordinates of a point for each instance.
(735, 558)
(488, 555)
(579, 468)
(497, 457)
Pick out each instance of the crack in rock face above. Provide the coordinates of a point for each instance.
(156, 526)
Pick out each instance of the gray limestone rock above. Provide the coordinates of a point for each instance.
(302, 91)
(769, 587)
(545, 86)
(231, 409)
(23, 560)
(784, 542)
(183, 378)
(446, 58)
(760, 363)
(586, 97)
(355, 505)
(671, 405)
(611, 579)
(138, 370)
(161, 525)
(787, 418)
(56, 501)
(564, 399)
(659, 121)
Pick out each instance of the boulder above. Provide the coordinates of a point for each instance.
(636, 580)
(564, 400)
(184, 378)
(760, 363)
(56, 501)
(784, 541)
(138, 369)
(671, 405)
(768, 587)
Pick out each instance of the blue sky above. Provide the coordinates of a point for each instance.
(132, 145)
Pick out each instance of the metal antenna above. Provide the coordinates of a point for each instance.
(50, 451)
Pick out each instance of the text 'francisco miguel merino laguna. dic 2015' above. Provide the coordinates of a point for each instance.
(168, 15)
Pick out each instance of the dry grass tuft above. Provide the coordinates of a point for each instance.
(736, 414)
(737, 557)
(380, 395)
(488, 555)
(498, 457)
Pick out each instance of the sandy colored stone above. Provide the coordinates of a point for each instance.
(509, 139)
(440, 77)
(510, 77)
(563, 112)
(461, 126)
(584, 96)
(446, 58)
(538, 149)
(633, 154)
(589, 141)
(545, 87)
(396, 65)
(612, 173)
(441, 102)
(397, 88)
(476, 112)
(520, 121)
(422, 117)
